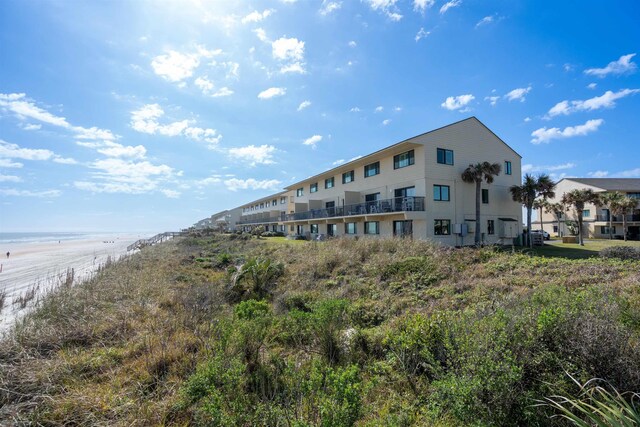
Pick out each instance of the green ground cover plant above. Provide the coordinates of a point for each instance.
(227, 330)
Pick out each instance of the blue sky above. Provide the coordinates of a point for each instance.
(148, 116)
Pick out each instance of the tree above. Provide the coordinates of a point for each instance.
(610, 200)
(476, 174)
(624, 207)
(532, 188)
(556, 209)
(578, 198)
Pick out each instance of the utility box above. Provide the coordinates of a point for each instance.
(461, 229)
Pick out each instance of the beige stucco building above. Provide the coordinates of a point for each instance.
(595, 218)
(412, 189)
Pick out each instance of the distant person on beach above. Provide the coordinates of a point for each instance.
(8, 253)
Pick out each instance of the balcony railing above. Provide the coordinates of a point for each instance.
(617, 218)
(398, 204)
(259, 220)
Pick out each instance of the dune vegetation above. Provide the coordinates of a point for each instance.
(235, 330)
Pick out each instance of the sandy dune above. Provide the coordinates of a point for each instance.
(44, 265)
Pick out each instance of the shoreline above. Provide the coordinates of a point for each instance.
(34, 268)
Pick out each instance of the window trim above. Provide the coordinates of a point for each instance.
(375, 167)
(300, 192)
(346, 228)
(377, 227)
(485, 196)
(411, 159)
(350, 174)
(438, 224)
(329, 180)
(313, 188)
(440, 187)
(444, 152)
(507, 167)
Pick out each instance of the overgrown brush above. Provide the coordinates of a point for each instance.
(621, 252)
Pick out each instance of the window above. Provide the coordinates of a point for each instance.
(262, 205)
(300, 230)
(442, 227)
(403, 160)
(445, 157)
(491, 228)
(331, 229)
(372, 227)
(555, 228)
(313, 188)
(633, 195)
(441, 193)
(372, 169)
(507, 167)
(403, 228)
(605, 230)
(350, 228)
(485, 195)
(586, 213)
(283, 200)
(314, 228)
(347, 177)
(300, 192)
(328, 183)
(274, 202)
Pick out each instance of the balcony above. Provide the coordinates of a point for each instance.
(267, 220)
(398, 204)
(617, 218)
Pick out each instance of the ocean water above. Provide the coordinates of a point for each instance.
(42, 237)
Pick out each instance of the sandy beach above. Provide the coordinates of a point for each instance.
(44, 265)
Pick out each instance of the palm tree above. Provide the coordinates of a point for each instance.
(556, 209)
(578, 198)
(610, 200)
(624, 207)
(476, 174)
(531, 189)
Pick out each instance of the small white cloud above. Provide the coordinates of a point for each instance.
(113, 149)
(354, 110)
(338, 162)
(14, 151)
(256, 16)
(272, 92)
(606, 100)
(29, 193)
(492, 99)
(386, 122)
(567, 67)
(10, 178)
(388, 7)
(484, 21)
(633, 173)
(223, 91)
(235, 184)
(422, 5)
(457, 102)
(421, 34)
(171, 194)
(592, 85)
(527, 119)
(550, 168)
(207, 87)
(329, 6)
(312, 141)
(544, 135)
(449, 5)
(8, 163)
(598, 174)
(379, 109)
(352, 44)
(176, 66)
(65, 160)
(31, 126)
(261, 34)
(290, 52)
(254, 155)
(623, 65)
(518, 94)
(397, 109)
(303, 105)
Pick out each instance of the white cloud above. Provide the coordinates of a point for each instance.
(24, 108)
(492, 99)
(29, 193)
(10, 178)
(633, 173)
(550, 168)
(457, 102)
(256, 16)
(65, 160)
(303, 105)
(235, 184)
(8, 163)
(329, 6)
(338, 162)
(295, 67)
(623, 65)
(379, 109)
(386, 122)
(388, 7)
(145, 120)
(397, 109)
(290, 52)
(113, 149)
(352, 44)
(272, 92)
(527, 119)
(31, 126)
(312, 141)
(261, 34)
(544, 135)
(207, 87)
(422, 5)
(449, 5)
(421, 34)
(592, 85)
(598, 174)
(606, 100)
(518, 94)
(175, 66)
(484, 21)
(254, 155)
(14, 151)
(354, 110)
(171, 194)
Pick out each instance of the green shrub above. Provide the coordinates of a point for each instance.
(260, 274)
(251, 309)
(621, 252)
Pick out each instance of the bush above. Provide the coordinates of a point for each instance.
(260, 274)
(621, 252)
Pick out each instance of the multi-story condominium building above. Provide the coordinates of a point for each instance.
(411, 189)
(595, 218)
